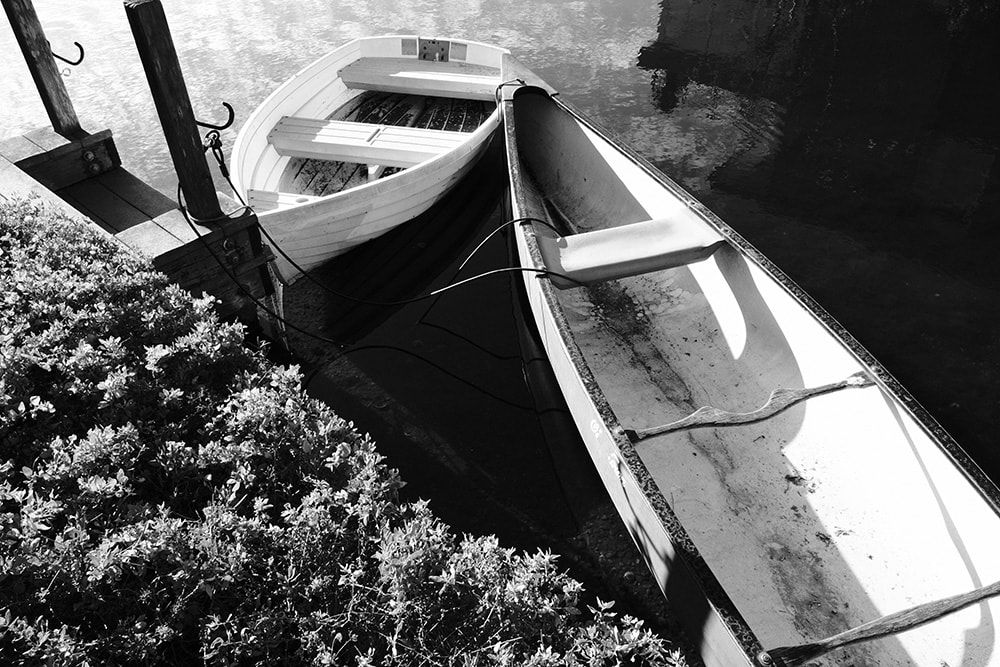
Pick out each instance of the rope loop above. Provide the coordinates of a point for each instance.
(213, 142)
(512, 82)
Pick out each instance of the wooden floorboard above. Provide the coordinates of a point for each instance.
(17, 148)
(144, 197)
(103, 206)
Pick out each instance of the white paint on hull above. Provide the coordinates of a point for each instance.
(841, 509)
(317, 230)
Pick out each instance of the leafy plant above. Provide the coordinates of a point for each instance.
(169, 496)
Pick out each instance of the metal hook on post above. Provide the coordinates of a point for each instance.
(229, 121)
(74, 63)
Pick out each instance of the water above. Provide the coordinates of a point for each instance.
(855, 143)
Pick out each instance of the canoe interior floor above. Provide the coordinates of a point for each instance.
(325, 177)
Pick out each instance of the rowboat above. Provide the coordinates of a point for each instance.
(782, 486)
(364, 139)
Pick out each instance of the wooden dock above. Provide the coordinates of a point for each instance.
(80, 174)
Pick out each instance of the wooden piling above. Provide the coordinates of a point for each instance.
(38, 55)
(230, 261)
(214, 253)
(166, 82)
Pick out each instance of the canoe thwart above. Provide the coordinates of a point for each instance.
(780, 400)
(365, 143)
(408, 75)
(891, 624)
(627, 250)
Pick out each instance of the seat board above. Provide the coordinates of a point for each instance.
(365, 143)
(409, 75)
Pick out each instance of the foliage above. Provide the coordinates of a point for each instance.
(168, 496)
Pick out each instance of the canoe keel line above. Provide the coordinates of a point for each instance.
(649, 306)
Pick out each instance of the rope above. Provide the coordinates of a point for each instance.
(900, 621)
(242, 288)
(779, 401)
(511, 82)
(213, 141)
(403, 302)
(506, 224)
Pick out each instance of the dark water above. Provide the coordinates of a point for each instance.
(856, 145)
(441, 385)
(854, 142)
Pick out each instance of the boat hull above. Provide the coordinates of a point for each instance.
(317, 229)
(834, 512)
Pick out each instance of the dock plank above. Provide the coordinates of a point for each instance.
(139, 194)
(106, 207)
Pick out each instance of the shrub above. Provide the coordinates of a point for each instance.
(168, 496)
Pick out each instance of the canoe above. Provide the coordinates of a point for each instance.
(364, 139)
(780, 483)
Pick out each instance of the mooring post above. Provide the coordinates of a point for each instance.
(166, 82)
(38, 55)
(242, 279)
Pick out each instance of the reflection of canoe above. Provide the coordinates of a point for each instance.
(364, 139)
(768, 521)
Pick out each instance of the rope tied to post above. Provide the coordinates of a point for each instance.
(213, 142)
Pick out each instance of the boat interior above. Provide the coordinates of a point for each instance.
(810, 489)
(373, 135)
(366, 111)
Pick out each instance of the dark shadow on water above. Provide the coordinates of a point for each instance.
(873, 181)
(440, 385)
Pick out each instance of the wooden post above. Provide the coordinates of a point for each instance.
(41, 64)
(163, 71)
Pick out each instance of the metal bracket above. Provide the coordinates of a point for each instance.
(229, 121)
(433, 49)
(74, 63)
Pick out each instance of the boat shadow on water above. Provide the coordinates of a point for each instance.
(440, 384)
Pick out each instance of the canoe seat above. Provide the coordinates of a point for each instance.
(422, 77)
(365, 143)
(267, 200)
(628, 250)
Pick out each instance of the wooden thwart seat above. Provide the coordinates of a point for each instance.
(365, 143)
(422, 77)
(628, 250)
(267, 200)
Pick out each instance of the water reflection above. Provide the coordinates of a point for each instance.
(886, 103)
(854, 144)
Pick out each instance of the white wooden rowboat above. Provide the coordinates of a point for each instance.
(768, 520)
(364, 139)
